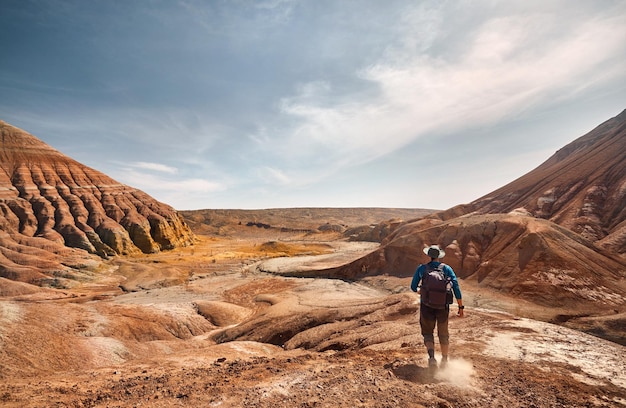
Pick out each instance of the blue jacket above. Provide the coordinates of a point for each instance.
(447, 271)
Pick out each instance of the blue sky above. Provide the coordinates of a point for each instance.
(311, 103)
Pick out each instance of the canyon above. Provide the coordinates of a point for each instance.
(110, 298)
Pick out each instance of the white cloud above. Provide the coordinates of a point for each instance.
(509, 65)
(366, 82)
(160, 185)
(193, 185)
(155, 166)
(273, 176)
(280, 10)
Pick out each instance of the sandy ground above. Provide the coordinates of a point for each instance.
(212, 326)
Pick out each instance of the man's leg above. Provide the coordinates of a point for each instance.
(443, 333)
(427, 322)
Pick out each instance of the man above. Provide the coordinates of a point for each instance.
(433, 313)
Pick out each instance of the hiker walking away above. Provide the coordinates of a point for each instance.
(438, 283)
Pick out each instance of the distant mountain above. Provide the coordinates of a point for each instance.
(582, 187)
(352, 222)
(49, 202)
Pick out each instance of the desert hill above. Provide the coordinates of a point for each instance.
(582, 187)
(517, 254)
(50, 203)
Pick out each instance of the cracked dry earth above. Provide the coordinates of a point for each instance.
(231, 336)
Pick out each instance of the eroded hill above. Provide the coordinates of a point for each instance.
(582, 187)
(50, 203)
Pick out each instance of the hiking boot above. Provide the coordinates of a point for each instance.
(432, 362)
(444, 363)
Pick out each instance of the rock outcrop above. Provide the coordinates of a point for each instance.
(515, 254)
(373, 233)
(50, 203)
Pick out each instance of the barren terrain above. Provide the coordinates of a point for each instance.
(217, 325)
(109, 298)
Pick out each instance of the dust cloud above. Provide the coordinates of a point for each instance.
(458, 372)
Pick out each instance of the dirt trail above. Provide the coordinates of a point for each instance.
(344, 252)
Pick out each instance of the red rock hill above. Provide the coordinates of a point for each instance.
(582, 187)
(49, 201)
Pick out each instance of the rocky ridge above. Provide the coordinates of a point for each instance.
(51, 203)
(513, 253)
(582, 187)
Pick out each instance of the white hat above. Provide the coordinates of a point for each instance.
(434, 251)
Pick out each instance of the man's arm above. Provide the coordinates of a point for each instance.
(417, 277)
(456, 289)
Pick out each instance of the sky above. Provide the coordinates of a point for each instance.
(311, 103)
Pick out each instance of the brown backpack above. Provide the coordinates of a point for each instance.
(436, 291)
